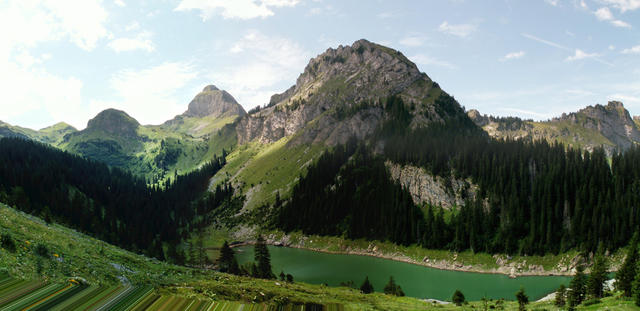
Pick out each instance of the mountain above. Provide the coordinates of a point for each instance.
(158, 151)
(610, 127)
(50, 135)
(341, 94)
(209, 111)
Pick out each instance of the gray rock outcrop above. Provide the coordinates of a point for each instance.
(215, 103)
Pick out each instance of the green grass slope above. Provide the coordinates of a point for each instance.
(70, 254)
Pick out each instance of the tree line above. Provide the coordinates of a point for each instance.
(108, 203)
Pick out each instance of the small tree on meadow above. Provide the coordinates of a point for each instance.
(366, 286)
(392, 288)
(561, 296)
(522, 298)
(458, 298)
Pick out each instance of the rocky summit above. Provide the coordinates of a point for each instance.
(340, 94)
(609, 126)
(215, 103)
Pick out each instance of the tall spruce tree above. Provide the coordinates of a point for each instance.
(629, 269)
(578, 286)
(561, 296)
(227, 261)
(595, 283)
(262, 259)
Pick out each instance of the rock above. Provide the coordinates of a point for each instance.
(215, 103)
(426, 188)
(342, 91)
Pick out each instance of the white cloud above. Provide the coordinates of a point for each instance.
(271, 60)
(580, 54)
(240, 9)
(81, 22)
(552, 2)
(120, 3)
(459, 30)
(632, 50)
(624, 5)
(149, 95)
(513, 55)
(141, 41)
(621, 24)
(627, 99)
(604, 14)
(413, 40)
(424, 59)
(28, 89)
(612, 47)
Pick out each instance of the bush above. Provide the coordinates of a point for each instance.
(7, 242)
(458, 298)
(590, 302)
(41, 250)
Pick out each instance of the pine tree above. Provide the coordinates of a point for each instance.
(636, 289)
(392, 288)
(629, 269)
(227, 261)
(366, 287)
(595, 283)
(522, 298)
(458, 298)
(578, 287)
(262, 259)
(561, 296)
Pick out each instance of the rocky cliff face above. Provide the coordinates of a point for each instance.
(610, 127)
(214, 103)
(435, 190)
(340, 94)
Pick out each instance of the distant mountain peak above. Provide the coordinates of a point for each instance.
(114, 121)
(214, 102)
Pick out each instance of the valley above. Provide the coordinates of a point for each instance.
(364, 155)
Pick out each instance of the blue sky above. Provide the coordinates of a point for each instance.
(68, 60)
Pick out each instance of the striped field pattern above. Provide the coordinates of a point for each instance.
(73, 295)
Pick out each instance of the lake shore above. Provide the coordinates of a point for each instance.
(516, 266)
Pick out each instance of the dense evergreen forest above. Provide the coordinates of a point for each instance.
(534, 197)
(363, 203)
(108, 203)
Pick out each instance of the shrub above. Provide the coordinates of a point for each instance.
(590, 302)
(7, 242)
(41, 250)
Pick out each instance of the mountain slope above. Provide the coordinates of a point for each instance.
(610, 127)
(50, 135)
(341, 94)
(209, 111)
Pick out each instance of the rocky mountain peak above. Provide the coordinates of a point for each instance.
(341, 90)
(214, 102)
(115, 122)
(210, 88)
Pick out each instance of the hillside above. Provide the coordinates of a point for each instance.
(610, 127)
(50, 135)
(107, 269)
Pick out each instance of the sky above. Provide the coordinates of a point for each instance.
(66, 60)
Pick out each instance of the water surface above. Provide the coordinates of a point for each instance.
(416, 281)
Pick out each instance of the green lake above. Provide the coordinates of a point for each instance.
(416, 281)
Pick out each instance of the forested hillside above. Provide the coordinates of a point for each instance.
(108, 203)
(534, 197)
